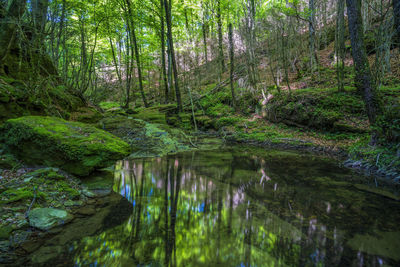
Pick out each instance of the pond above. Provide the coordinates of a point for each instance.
(244, 206)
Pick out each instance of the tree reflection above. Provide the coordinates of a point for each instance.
(200, 210)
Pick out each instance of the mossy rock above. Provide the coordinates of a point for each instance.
(73, 146)
(86, 115)
(145, 138)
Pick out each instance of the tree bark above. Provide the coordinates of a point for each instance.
(60, 32)
(363, 80)
(39, 13)
(137, 55)
(204, 29)
(311, 30)
(340, 44)
(232, 57)
(220, 48)
(396, 16)
(8, 26)
(167, 7)
(163, 65)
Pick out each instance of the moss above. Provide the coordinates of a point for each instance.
(322, 109)
(65, 187)
(76, 147)
(150, 115)
(14, 195)
(109, 105)
(5, 232)
(146, 139)
(8, 161)
(86, 115)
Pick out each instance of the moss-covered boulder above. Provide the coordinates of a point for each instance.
(146, 139)
(73, 146)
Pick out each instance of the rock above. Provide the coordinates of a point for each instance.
(86, 211)
(71, 203)
(47, 218)
(86, 115)
(146, 139)
(73, 146)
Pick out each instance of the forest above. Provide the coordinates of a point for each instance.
(199, 132)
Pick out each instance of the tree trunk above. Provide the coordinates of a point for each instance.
(204, 29)
(311, 30)
(396, 16)
(39, 12)
(8, 27)
(220, 48)
(60, 32)
(363, 79)
(162, 38)
(232, 57)
(172, 52)
(137, 55)
(340, 44)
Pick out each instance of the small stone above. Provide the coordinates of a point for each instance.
(47, 218)
(70, 203)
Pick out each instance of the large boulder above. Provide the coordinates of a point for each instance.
(73, 146)
(146, 139)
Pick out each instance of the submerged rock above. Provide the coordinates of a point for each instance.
(75, 147)
(47, 218)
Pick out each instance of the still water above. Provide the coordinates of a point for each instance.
(245, 207)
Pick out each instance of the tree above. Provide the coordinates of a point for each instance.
(162, 43)
(137, 55)
(167, 7)
(220, 48)
(363, 79)
(10, 19)
(232, 58)
(340, 44)
(396, 16)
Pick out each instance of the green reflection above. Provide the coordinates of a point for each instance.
(243, 207)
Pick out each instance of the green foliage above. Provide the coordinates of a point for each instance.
(219, 110)
(109, 105)
(384, 158)
(228, 121)
(388, 124)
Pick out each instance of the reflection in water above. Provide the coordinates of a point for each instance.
(233, 209)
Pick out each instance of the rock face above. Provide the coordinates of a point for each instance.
(47, 218)
(75, 147)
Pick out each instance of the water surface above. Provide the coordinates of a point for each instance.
(245, 207)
